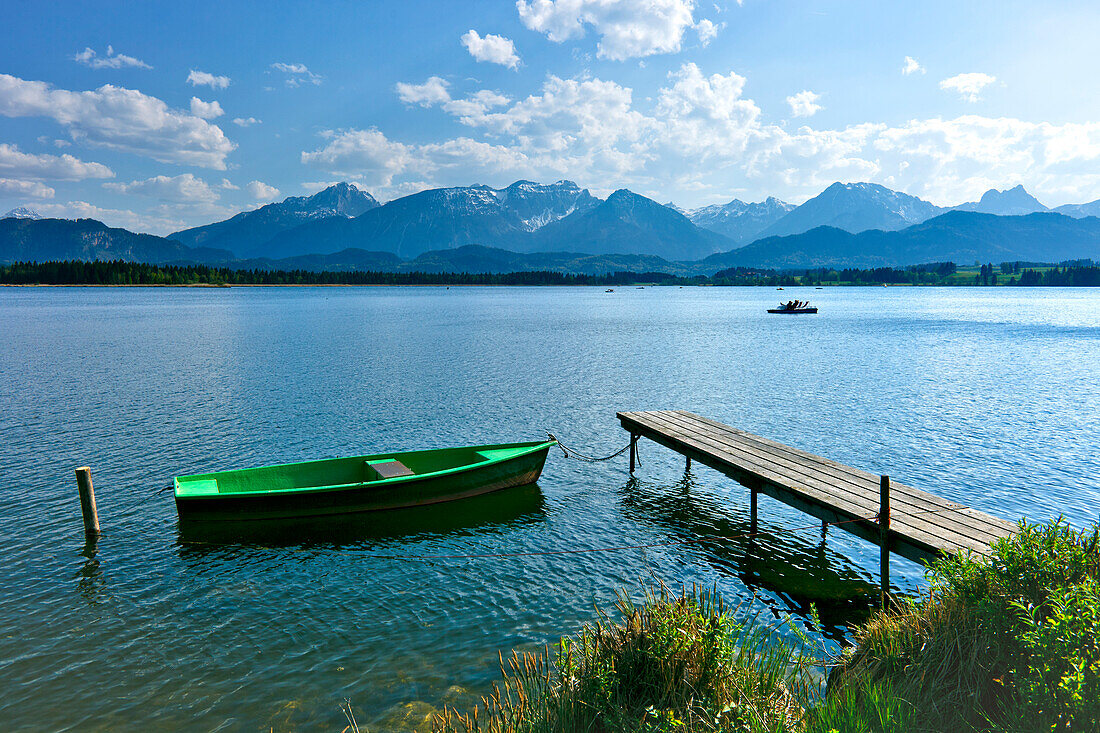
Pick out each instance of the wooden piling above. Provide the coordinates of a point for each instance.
(687, 466)
(752, 503)
(884, 537)
(633, 450)
(87, 501)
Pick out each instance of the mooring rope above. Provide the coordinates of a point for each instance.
(570, 453)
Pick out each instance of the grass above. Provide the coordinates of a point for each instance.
(676, 662)
(1005, 644)
(1008, 644)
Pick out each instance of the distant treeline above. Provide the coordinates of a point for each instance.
(118, 272)
(936, 273)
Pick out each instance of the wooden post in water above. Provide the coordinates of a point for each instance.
(687, 467)
(633, 450)
(752, 503)
(87, 501)
(884, 537)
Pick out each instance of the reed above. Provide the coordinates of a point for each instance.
(675, 662)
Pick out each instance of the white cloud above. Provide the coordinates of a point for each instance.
(112, 60)
(804, 104)
(48, 167)
(315, 186)
(968, 86)
(25, 189)
(182, 189)
(227, 185)
(699, 138)
(708, 31)
(205, 78)
(472, 110)
(261, 191)
(911, 66)
(366, 154)
(206, 110)
(491, 48)
(297, 74)
(246, 121)
(627, 29)
(707, 116)
(433, 91)
(120, 119)
(155, 223)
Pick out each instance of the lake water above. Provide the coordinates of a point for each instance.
(989, 397)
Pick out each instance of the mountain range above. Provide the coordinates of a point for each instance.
(955, 236)
(565, 227)
(442, 218)
(739, 221)
(1010, 202)
(247, 233)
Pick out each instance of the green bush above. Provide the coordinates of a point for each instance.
(1005, 643)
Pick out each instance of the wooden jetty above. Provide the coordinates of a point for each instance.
(914, 524)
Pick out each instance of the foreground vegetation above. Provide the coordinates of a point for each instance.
(1008, 644)
(119, 272)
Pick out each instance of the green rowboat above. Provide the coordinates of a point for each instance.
(359, 484)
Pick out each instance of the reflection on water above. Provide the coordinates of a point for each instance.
(494, 512)
(90, 578)
(798, 572)
(252, 627)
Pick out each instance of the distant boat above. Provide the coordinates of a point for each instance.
(359, 484)
(610, 290)
(785, 308)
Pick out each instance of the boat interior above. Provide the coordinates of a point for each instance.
(342, 471)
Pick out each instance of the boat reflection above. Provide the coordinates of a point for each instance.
(795, 569)
(493, 512)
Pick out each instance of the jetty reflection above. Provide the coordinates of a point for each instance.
(797, 569)
(494, 512)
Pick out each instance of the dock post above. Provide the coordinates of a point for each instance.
(633, 450)
(824, 529)
(884, 537)
(752, 503)
(87, 501)
(687, 466)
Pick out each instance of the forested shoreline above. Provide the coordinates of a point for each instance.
(121, 273)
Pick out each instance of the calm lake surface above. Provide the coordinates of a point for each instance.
(989, 397)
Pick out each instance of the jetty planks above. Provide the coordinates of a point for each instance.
(921, 525)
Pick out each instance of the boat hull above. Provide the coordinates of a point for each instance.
(407, 491)
(792, 311)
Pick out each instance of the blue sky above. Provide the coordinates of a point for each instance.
(160, 116)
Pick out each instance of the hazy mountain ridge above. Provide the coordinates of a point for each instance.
(956, 236)
(854, 207)
(1013, 201)
(528, 222)
(1079, 211)
(247, 233)
(21, 212)
(627, 223)
(43, 240)
(739, 221)
(443, 217)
